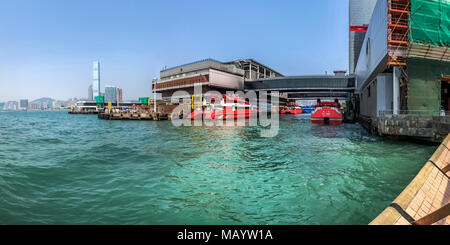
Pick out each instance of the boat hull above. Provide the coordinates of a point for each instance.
(297, 111)
(223, 115)
(327, 121)
(327, 116)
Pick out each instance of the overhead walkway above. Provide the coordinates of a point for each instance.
(306, 87)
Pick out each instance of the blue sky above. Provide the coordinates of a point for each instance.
(47, 46)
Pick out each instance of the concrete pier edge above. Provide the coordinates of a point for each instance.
(428, 193)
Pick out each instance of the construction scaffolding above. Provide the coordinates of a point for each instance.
(398, 43)
(398, 17)
(429, 32)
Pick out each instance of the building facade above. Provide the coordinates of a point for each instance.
(35, 106)
(90, 93)
(119, 95)
(11, 106)
(96, 79)
(24, 104)
(210, 75)
(110, 94)
(360, 12)
(404, 67)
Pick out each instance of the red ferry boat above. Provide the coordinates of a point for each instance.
(229, 108)
(327, 113)
(291, 108)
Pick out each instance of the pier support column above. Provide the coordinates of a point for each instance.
(258, 73)
(396, 90)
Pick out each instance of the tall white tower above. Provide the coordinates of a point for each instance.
(360, 13)
(96, 81)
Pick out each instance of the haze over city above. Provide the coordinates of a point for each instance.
(48, 46)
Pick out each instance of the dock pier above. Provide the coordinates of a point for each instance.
(163, 112)
(84, 112)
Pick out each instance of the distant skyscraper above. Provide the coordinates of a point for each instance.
(119, 95)
(24, 104)
(90, 93)
(11, 105)
(360, 13)
(110, 94)
(96, 81)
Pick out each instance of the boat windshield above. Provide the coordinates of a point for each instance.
(327, 104)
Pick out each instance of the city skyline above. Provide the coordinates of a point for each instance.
(49, 46)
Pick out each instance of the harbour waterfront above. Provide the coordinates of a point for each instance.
(57, 168)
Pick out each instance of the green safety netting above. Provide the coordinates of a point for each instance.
(429, 22)
(424, 84)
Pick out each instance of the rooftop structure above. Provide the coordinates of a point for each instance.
(211, 74)
(254, 70)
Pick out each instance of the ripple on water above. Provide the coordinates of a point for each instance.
(57, 168)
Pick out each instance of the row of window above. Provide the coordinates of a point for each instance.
(182, 82)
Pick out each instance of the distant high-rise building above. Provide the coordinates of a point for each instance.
(96, 81)
(35, 106)
(24, 104)
(360, 13)
(11, 105)
(110, 94)
(2, 104)
(90, 93)
(119, 95)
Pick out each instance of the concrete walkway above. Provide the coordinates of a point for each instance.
(426, 200)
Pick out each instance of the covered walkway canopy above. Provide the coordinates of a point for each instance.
(299, 87)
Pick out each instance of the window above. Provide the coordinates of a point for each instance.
(368, 90)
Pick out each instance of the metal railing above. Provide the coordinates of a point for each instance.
(439, 113)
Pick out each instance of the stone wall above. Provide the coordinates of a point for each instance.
(431, 128)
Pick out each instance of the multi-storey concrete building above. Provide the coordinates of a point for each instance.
(90, 93)
(119, 95)
(24, 104)
(111, 94)
(403, 70)
(211, 75)
(35, 106)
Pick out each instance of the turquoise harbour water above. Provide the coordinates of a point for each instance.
(57, 168)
